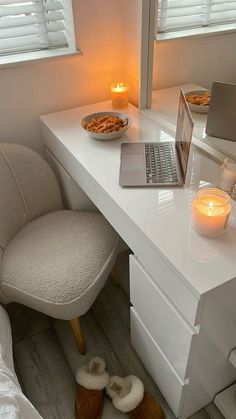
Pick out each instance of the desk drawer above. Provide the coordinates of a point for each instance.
(168, 328)
(171, 284)
(171, 386)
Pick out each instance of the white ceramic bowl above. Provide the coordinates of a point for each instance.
(108, 135)
(192, 106)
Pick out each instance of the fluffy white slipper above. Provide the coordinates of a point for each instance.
(93, 376)
(126, 393)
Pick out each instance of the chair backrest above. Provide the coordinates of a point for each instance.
(28, 189)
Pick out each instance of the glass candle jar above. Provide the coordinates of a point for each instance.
(120, 94)
(210, 211)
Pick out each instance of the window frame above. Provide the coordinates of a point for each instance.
(30, 57)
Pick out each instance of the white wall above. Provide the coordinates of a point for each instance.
(33, 89)
(196, 60)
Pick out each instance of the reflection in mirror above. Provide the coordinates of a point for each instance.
(184, 58)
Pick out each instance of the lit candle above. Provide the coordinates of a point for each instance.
(210, 210)
(120, 94)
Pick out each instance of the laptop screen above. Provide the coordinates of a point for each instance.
(184, 131)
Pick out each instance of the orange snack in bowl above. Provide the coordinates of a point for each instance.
(202, 99)
(105, 124)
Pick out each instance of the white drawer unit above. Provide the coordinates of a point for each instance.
(171, 386)
(168, 328)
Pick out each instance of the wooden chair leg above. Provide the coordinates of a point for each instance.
(76, 329)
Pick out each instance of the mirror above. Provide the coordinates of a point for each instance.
(191, 63)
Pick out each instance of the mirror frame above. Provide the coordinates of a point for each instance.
(148, 25)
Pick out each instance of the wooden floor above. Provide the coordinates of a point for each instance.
(46, 356)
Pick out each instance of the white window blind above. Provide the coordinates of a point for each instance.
(34, 25)
(174, 15)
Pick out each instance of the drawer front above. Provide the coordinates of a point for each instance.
(181, 296)
(168, 328)
(171, 386)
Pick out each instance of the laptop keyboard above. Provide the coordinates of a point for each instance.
(160, 163)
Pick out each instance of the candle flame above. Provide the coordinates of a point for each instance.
(211, 205)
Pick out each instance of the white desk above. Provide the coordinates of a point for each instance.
(183, 286)
(165, 104)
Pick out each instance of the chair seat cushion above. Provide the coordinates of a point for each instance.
(57, 262)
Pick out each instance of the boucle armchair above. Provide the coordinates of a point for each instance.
(53, 260)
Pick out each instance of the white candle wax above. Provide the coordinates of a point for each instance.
(210, 210)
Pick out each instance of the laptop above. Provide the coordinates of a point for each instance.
(159, 164)
(221, 121)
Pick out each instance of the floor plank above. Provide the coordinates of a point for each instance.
(213, 412)
(46, 376)
(202, 414)
(17, 370)
(26, 322)
(51, 411)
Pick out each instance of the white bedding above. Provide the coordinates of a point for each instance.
(13, 403)
(5, 337)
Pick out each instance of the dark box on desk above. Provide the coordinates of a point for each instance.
(221, 120)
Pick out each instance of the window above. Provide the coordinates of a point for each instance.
(186, 15)
(35, 25)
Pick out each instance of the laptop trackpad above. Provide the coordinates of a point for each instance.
(132, 162)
